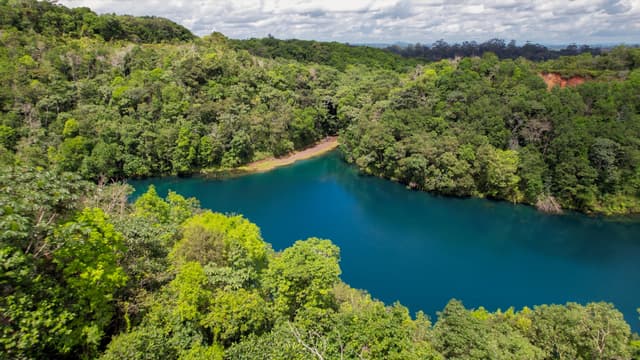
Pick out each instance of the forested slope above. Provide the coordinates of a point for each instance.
(85, 274)
(47, 18)
(334, 54)
(478, 127)
(485, 127)
(122, 109)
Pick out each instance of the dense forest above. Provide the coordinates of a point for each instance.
(340, 55)
(443, 50)
(334, 54)
(125, 106)
(47, 18)
(146, 102)
(485, 127)
(86, 275)
(88, 99)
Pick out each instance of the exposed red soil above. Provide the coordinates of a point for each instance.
(555, 79)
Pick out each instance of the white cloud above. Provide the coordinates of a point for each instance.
(544, 21)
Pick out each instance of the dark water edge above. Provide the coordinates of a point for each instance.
(421, 249)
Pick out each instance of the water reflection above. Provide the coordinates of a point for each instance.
(423, 249)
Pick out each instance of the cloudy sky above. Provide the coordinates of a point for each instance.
(386, 21)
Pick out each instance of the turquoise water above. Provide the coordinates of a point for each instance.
(423, 250)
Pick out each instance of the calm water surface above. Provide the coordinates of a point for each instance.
(423, 250)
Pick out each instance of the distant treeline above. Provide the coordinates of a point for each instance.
(443, 50)
(333, 54)
(48, 18)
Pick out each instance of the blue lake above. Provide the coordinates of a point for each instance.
(423, 250)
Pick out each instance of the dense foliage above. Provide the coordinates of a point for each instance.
(479, 126)
(119, 109)
(443, 50)
(615, 64)
(334, 54)
(474, 127)
(485, 127)
(85, 274)
(47, 18)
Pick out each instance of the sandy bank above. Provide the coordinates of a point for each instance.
(320, 148)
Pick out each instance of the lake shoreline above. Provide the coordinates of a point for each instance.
(331, 143)
(410, 234)
(322, 147)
